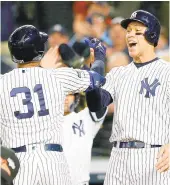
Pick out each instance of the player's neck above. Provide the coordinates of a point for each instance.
(148, 56)
(66, 113)
(30, 64)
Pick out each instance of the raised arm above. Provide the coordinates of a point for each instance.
(99, 55)
(72, 80)
(98, 99)
(76, 80)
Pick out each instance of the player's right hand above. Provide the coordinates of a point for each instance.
(51, 59)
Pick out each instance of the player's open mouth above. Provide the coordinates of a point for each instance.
(132, 44)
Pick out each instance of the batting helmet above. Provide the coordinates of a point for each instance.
(26, 44)
(149, 20)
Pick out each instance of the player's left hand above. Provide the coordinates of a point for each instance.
(163, 163)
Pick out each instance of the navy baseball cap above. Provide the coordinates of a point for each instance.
(150, 21)
(141, 16)
(58, 28)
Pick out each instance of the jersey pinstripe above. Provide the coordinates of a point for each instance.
(79, 131)
(32, 103)
(42, 167)
(135, 166)
(142, 102)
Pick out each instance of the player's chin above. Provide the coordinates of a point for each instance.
(133, 54)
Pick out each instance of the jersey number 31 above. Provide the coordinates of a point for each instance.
(27, 101)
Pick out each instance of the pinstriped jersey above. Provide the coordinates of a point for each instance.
(142, 102)
(79, 130)
(32, 103)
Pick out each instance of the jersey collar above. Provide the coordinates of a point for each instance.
(138, 65)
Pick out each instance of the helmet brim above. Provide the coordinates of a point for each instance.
(124, 23)
(44, 37)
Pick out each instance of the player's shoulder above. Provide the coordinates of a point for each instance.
(41, 70)
(7, 74)
(83, 114)
(79, 114)
(62, 69)
(165, 65)
(15, 73)
(72, 114)
(118, 71)
(164, 62)
(1, 76)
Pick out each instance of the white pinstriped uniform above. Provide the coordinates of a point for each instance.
(142, 112)
(79, 130)
(39, 95)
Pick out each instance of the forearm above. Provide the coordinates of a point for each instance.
(97, 99)
(96, 81)
(98, 66)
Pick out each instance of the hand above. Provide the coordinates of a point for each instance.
(98, 47)
(163, 163)
(51, 59)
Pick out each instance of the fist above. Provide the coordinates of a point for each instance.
(98, 47)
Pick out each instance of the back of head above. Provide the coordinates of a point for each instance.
(150, 21)
(27, 44)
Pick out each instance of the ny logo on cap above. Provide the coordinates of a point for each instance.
(150, 89)
(134, 14)
(11, 163)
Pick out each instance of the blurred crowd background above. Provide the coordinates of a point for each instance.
(71, 21)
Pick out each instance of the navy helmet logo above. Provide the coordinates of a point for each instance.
(134, 14)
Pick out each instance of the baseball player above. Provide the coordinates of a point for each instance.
(79, 129)
(32, 108)
(141, 95)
